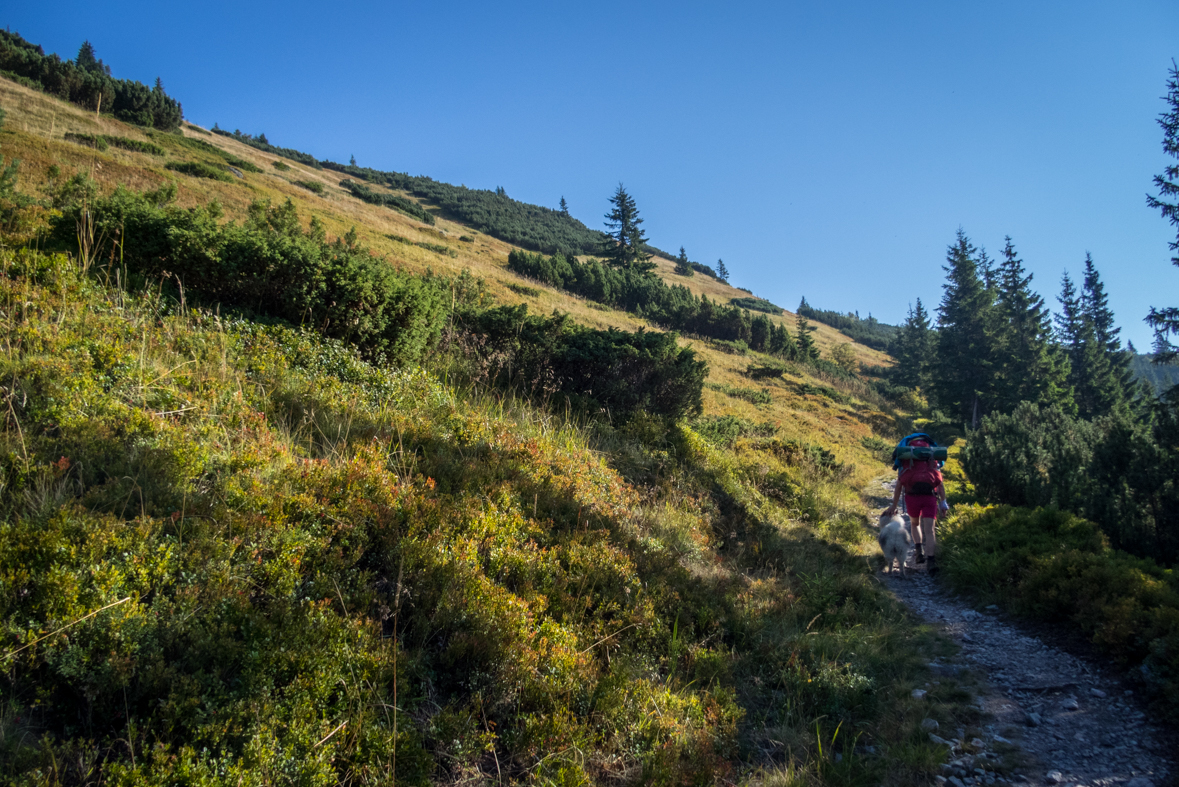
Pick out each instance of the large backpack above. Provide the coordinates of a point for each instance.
(918, 457)
(918, 446)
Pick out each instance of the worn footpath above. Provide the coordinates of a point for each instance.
(1064, 719)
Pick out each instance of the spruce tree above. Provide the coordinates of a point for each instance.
(1120, 383)
(965, 378)
(807, 349)
(1165, 320)
(564, 206)
(624, 247)
(1088, 365)
(722, 272)
(1030, 367)
(87, 60)
(682, 266)
(915, 348)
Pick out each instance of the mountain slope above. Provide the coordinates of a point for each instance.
(241, 553)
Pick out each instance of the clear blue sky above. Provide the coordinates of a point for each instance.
(822, 149)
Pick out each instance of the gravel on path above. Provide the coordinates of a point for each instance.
(1076, 722)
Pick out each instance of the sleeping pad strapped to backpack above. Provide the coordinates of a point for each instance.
(918, 457)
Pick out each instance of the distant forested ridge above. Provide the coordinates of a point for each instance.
(87, 82)
(1160, 377)
(870, 332)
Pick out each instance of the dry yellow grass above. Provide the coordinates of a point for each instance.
(34, 133)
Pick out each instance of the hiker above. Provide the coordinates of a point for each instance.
(920, 478)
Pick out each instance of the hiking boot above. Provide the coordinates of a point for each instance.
(920, 555)
(931, 565)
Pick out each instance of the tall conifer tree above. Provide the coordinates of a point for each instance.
(1088, 365)
(1165, 320)
(807, 349)
(1031, 368)
(1119, 382)
(624, 249)
(915, 349)
(965, 382)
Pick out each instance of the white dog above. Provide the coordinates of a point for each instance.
(895, 541)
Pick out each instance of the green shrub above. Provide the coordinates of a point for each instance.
(197, 129)
(408, 207)
(269, 265)
(240, 163)
(1033, 457)
(724, 430)
(1048, 564)
(466, 238)
(757, 305)
(732, 348)
(437, 248)
(199, 169)
(96, 141)
(136, 145)
(751, 395)
(281, 166)
(311, 185)
(766, 370)
(613, 372)
(520, 289)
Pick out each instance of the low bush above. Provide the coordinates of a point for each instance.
(611, 372)
(724, 430)
(732, 348)
(281, 166)
(268, 265)
(437, 248)
(406, 206)
(197, 129)
(751, 395)
(520, 289)
(313, 186)
(96, 141)
(1051, 565)
(240, 163)
(1116, 471)
(466, 238)
(757, 305)
(199, 169)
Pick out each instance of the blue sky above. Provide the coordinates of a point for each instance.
(826, 150)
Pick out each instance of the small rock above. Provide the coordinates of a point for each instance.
(1054, 777)
(838, 757)
(1140, 781)
(1033, 720)
(1000, 739)
(992, 607)
(1097, 693)
(929, 725)
(978, 743)
(937, 741)
(955, 781)
(919, 694)
(1070, 704)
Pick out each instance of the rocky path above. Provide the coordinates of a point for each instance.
(1075, 722)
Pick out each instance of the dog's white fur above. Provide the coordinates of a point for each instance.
(895, 541)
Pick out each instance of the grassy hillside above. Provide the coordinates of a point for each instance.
(237, 553)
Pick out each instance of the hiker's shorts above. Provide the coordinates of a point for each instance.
(921, 506)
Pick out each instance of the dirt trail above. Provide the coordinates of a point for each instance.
(1076, 722)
